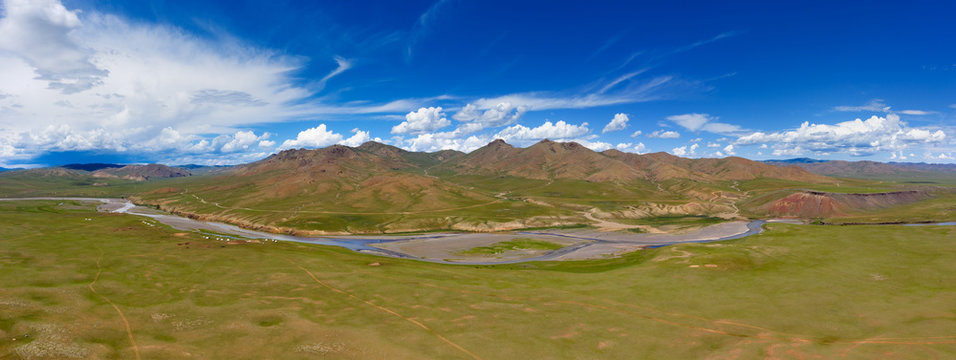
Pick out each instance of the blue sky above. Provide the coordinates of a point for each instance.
(224, 82)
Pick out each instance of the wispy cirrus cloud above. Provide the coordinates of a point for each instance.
(704, 122)
(876, 105)
(423, 25)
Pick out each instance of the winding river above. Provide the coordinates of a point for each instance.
(584, 241)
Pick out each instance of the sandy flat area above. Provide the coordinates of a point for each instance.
(447, 248)
(711, 232)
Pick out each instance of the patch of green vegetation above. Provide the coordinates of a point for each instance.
(515, 244)
(689, 220)
(560, 227)
(798, 290)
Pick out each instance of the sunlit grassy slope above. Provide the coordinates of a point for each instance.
(378, 188)
(70, 277)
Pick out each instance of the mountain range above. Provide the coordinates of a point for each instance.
(377, 187)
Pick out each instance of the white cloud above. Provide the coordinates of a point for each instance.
(940, 156)
(243, 140)
(443, 141)
(41, 33)
(359, 138)
(729, 149)
(487, 115)
(538, 101)
(692, 122)
(713, 145)
(619, 122)
(917, 112)
(342, 64)
(705, 122)
(558, 130)
(898, 155)
(685, 150)
(123, 86)
(315, 137)
(421, 121)
(594, 145)
(857, 137)
(630, 147)
(876, 105)
(664, 134)
(636, 134)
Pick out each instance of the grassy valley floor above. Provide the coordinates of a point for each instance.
(81, 284)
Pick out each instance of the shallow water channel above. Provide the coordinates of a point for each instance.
(366, 243)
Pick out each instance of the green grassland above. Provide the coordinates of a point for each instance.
(940, 208)
(29, 184)
(86, 284)
(515, 244)
(682, 220)
(467, 202)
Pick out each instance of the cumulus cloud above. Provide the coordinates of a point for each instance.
(558, 130)
(636, 134)
(664, 134)
(857, 137)
(320, 136)
(487, 115)
(630, 147)
(244, 140)
(685, 150)
(40, 32)
(593, 145)
(316, 137)
(421, 121)
(122, 86)
(705, 122)
(444, 141)
(358, 137)
(939, 157)
(729, 150)
(619, 122)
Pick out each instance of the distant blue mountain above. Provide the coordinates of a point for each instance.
(91, 166)
(796, 161)
(194, 166)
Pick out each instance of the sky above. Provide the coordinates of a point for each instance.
(228, 82)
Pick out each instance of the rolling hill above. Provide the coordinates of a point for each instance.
(375, 188)
(900, 171)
